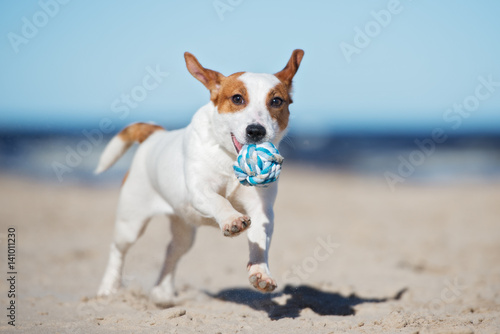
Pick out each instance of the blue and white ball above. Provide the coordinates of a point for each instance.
(258, 164)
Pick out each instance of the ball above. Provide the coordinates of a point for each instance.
(258, 164)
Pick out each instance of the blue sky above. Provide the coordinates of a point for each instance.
(413, 60)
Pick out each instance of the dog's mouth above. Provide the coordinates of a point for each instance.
(237, 145)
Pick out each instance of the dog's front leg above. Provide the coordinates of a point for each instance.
(258, 203)
(210, 204)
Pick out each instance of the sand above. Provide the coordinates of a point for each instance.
(349, 256)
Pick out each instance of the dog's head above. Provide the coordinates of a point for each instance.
(251, 108)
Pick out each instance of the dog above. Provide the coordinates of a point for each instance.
(187, 174)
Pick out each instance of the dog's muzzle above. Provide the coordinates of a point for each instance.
(255, 133)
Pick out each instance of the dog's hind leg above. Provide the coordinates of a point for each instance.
(127, 231)
(137, 205)
(183, 236)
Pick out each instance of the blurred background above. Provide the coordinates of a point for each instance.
(402, 91)
(393, 153)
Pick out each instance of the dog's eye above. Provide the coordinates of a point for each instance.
(238, 99)
(276, 102)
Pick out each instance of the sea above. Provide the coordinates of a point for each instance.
(71, 156)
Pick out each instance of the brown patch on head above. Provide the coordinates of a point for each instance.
(138, 132)
(223, 89)
(279, 113)
(231, 86)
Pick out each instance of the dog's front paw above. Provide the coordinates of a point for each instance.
(237, 226)
(260, 280)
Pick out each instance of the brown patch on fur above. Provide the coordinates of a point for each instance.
(138, 132)
(281, 113)
(231, 86)
(221, 88)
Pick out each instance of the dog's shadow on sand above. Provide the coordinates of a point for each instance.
(297, 299)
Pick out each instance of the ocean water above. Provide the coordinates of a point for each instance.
(72, 157)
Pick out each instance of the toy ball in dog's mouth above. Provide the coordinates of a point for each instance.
(258, 164)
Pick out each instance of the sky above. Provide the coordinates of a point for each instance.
(408, 65)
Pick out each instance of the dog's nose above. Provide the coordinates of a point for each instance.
(255, 132)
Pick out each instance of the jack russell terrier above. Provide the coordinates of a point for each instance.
(188, 175)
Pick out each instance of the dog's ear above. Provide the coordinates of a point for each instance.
(286, 74)
(211, 79)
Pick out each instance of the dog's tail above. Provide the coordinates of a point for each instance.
(137, 132)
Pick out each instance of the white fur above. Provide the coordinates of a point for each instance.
(113, 151)
(187, 175)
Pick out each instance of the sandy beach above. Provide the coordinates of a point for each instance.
(349, 256)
